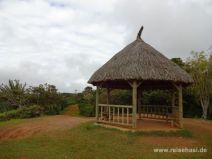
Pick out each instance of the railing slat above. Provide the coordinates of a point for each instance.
(156, 111)
(112, 116)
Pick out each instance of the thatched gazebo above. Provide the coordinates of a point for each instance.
(140, 67)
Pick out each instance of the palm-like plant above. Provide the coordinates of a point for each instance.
(14, 93)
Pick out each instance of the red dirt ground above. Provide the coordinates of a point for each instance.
(40, 125)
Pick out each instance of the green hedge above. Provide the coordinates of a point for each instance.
(25, 112)
(86, 109)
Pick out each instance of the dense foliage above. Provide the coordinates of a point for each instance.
(86, 102)
(24, 112)
(17, 101)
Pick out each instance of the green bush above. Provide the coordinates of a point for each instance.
(32, 111)
(52, 109)
(86, 109)
(25, 112)
(5, 106)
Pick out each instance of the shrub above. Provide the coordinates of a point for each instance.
(86, 109)
(52, 109)
(32, 111)
(25, 112)
(5, 106)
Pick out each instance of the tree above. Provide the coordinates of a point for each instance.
(88, 89)
(198, 67)
(46, 95)
(14, 93)
(178, 61)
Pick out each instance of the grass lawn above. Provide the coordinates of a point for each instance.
(88, 141)
(11, 122)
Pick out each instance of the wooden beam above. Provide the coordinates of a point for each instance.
(97, 102)
(131, 83)
(180, 106)
(176, 86)
(134, 101)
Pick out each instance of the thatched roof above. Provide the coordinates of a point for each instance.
(140, 61)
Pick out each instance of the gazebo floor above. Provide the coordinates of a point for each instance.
(144, 124)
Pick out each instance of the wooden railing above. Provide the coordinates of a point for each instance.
(115, 114)
(158, 111)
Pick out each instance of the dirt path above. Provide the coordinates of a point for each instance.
(199, 126)
(72, 110)
(40, 125)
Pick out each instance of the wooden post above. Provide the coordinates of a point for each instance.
(107, 110)
(139, 103)
(97, 102)
(173, 108)
(180, 106)
(134, 101)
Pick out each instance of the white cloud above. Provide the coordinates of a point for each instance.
(63, 42)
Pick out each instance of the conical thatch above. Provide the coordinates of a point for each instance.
(140, 61)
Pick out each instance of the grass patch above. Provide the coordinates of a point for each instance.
(11, 122)
(177, 133)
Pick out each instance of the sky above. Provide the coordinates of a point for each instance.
(63, 42)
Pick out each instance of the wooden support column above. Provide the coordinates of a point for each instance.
(180, 104)
(173, 109)
(173, 102)
(134, 101)
(180, 100)
(134, 86)
(97, 102)
(108, 101)
(139, 103)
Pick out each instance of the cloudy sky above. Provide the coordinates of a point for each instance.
(62, 42)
